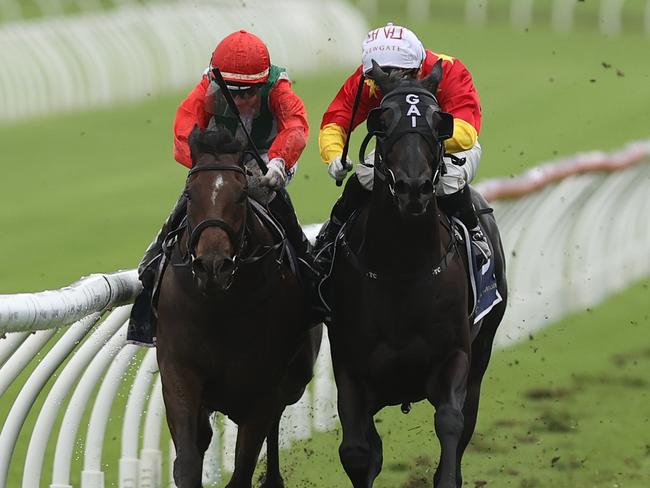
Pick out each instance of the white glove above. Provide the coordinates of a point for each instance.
(276, 176)
(336, 169)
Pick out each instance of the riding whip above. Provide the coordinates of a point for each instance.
(346, 146)
(233, 107)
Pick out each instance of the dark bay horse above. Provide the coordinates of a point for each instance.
(231, 334)
(400, 329)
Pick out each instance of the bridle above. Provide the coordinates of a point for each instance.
(237, 238)
(414, 110)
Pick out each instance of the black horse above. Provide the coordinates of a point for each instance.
(231, 319)
(401, 329)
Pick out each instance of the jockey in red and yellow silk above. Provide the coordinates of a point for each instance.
(276, 120)
(456, 95)
(397, 48)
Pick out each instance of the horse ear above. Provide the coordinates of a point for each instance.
(431, 82)
(379, 76)
(194, 141)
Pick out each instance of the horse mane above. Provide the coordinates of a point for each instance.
(215, 142)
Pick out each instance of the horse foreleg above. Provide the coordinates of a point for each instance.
(273, 478)
(446, 390)
(376, 450)
(181, 393)
(250, 437)
(204, 431)
(360, 449)
(481, 352)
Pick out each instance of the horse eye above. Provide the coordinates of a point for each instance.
(186, 194)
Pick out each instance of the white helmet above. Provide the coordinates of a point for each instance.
(392, 46)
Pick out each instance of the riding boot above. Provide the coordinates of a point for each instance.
(141, 328)
(460, 205)
(353, 197)
(282, 209)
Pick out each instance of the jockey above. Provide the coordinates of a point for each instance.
(397, 48)
(277, 122)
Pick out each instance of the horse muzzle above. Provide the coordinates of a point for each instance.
(213, 273)
(413, 196)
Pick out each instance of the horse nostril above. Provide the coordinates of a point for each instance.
(426, 188)
(401, 187)
(199, 267)
(225, 266)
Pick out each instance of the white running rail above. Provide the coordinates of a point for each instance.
(574, 231)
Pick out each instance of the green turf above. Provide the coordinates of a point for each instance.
(568, 408)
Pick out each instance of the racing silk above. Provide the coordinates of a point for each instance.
(456, 95)
(281, 128)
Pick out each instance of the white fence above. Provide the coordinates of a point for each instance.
(574, 231)
(67, 63)
(563, 13)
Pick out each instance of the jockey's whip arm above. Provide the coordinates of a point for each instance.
(346, 146)
(233, 107)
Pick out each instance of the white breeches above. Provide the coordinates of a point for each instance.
(452, 181)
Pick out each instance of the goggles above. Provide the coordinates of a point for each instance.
(239, 90)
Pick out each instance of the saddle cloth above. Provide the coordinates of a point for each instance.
(485, 294)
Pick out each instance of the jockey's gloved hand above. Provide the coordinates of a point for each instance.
(276, 176)
(337, 169)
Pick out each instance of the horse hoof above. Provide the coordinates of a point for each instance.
(406, 408)
(274, 484)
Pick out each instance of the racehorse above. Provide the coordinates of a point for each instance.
(400, 329)
(230, 332)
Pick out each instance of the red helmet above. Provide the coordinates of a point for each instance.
(242, 58)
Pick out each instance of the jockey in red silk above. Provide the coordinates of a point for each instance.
(397, 48)
(263, 94)
(276, 119)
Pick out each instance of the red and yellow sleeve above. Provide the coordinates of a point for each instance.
(336, 120)
(457, 95)
(291, 118)
(190, 112)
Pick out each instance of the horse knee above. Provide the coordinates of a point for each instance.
(449, 421)
(355, 456)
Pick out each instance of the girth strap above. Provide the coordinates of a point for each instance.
(431, 273)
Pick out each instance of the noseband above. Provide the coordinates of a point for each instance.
(238, 239)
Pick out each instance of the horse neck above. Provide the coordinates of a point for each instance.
(391, 239)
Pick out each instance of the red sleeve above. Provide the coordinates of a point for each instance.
(190, 112)
(291, 119)
(339, 111)
(456, 93)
